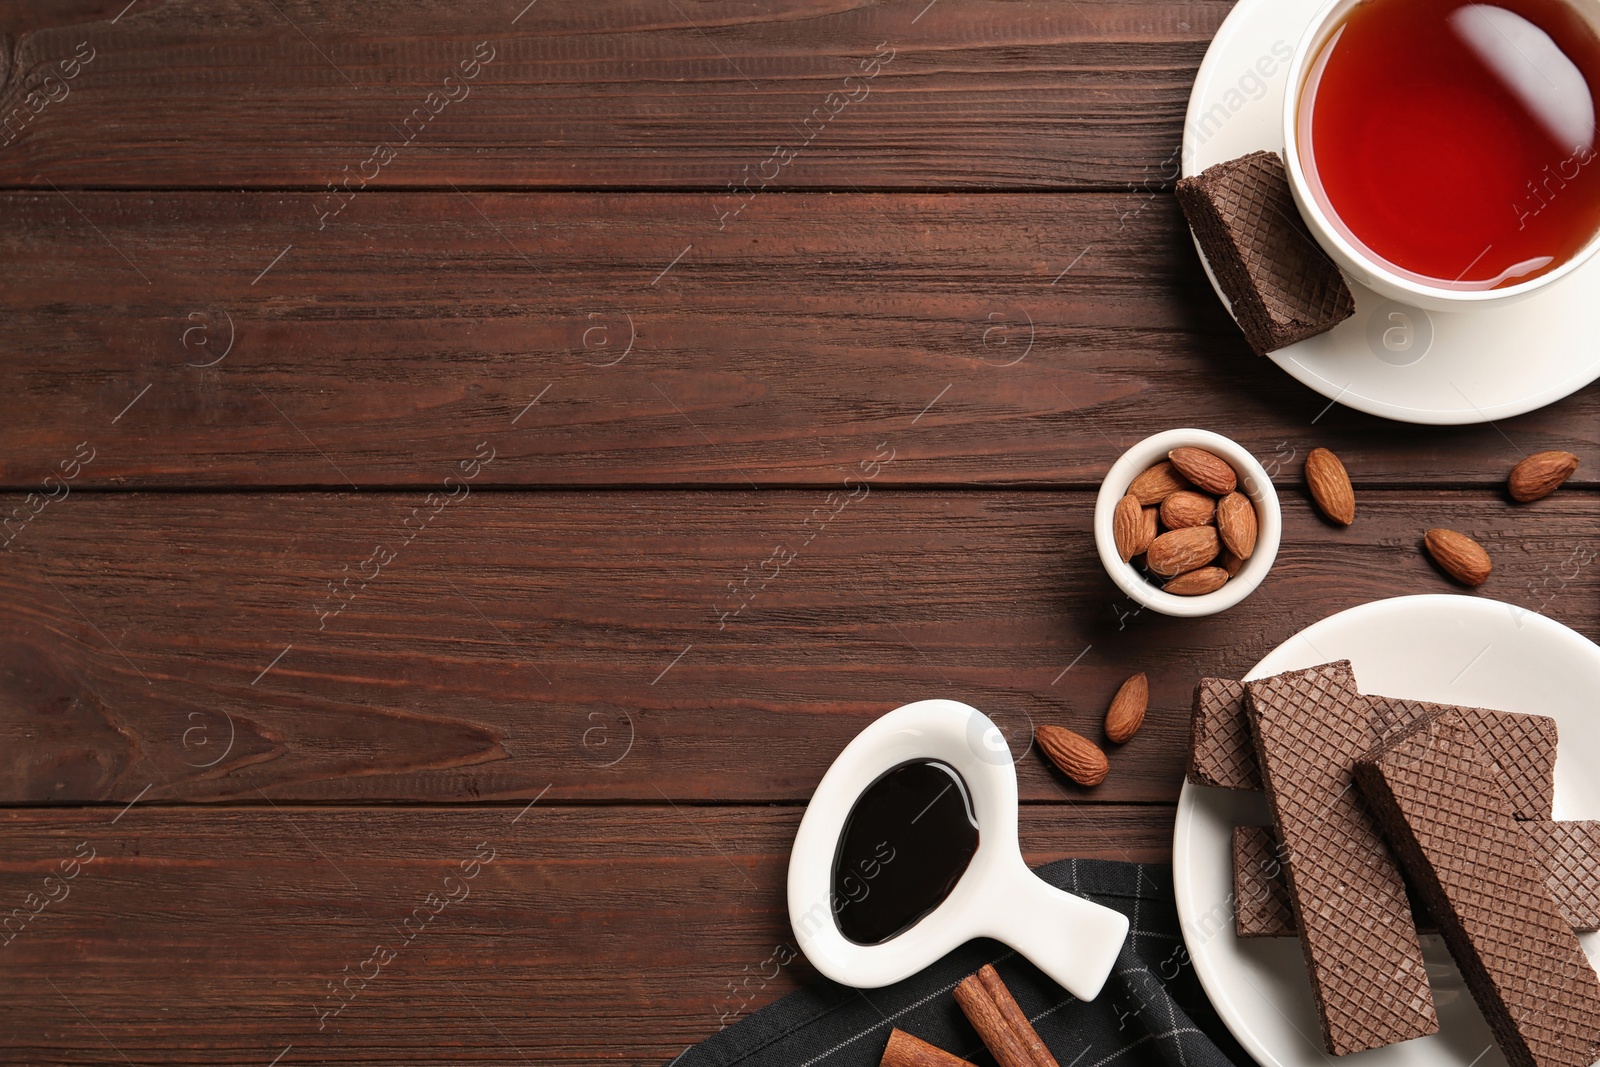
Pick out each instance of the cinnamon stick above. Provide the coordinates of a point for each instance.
(993, 1012)
(907, 1051)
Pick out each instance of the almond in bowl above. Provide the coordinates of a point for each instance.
(1187, 523)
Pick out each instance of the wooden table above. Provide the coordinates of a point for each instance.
(439, 571)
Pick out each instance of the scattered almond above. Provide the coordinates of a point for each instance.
(1198, 582)
(1177, 551)
(1330, 486)
(1157, 483)
(1205, 469)
(1074, 755)
(1126, 713)
(1187, 508)
(1236, 524)
(1540, 475)
(1127, 528)
(1460, 556)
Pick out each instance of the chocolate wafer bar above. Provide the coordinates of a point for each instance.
(1521, 749)
(1447, 820)
(1568, 851)
(1222, 753)
(1281, 285)
(1349, 903)
(1524, 746)
(1260, 888)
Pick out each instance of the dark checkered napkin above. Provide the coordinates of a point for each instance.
(1447, 819)
(1152, 1013)
(1350, 905)
(1283, 288)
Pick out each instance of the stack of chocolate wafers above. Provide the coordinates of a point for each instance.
(1392, 816)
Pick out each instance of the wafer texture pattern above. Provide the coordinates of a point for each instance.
(1282, 287)
(1441, 806)
(1349, 902)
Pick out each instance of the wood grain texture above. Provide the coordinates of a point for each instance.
(222, 339)
(991, 93)
(593, 936)
(456, 447)
(523, 640)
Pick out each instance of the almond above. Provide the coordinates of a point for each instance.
(1236, 524)
(1205, 469)
(1330, 486)
(1230, 563)
(1127, 527)
(1187, 508)
(1197, 582)
(1177, 551)
(1157, 483)
(1460, 556)
(1540, 475)
(1074, 755)
(1152, 526)
(1126, 713)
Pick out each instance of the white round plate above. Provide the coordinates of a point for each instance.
(1388, 359)
(1448, 649)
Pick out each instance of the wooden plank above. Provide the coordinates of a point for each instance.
(593, 935)
(638, 645)
(971, 93)
(221, 339)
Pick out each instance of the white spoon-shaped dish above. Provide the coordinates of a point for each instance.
(1072, 940)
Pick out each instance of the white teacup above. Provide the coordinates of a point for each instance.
(1336, 239)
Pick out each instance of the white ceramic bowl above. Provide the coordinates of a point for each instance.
(1334, 237)
(1253, 483)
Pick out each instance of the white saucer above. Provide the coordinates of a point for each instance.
(1391, 360)
(1450, 649)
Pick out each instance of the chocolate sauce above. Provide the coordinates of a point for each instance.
(904, 847)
